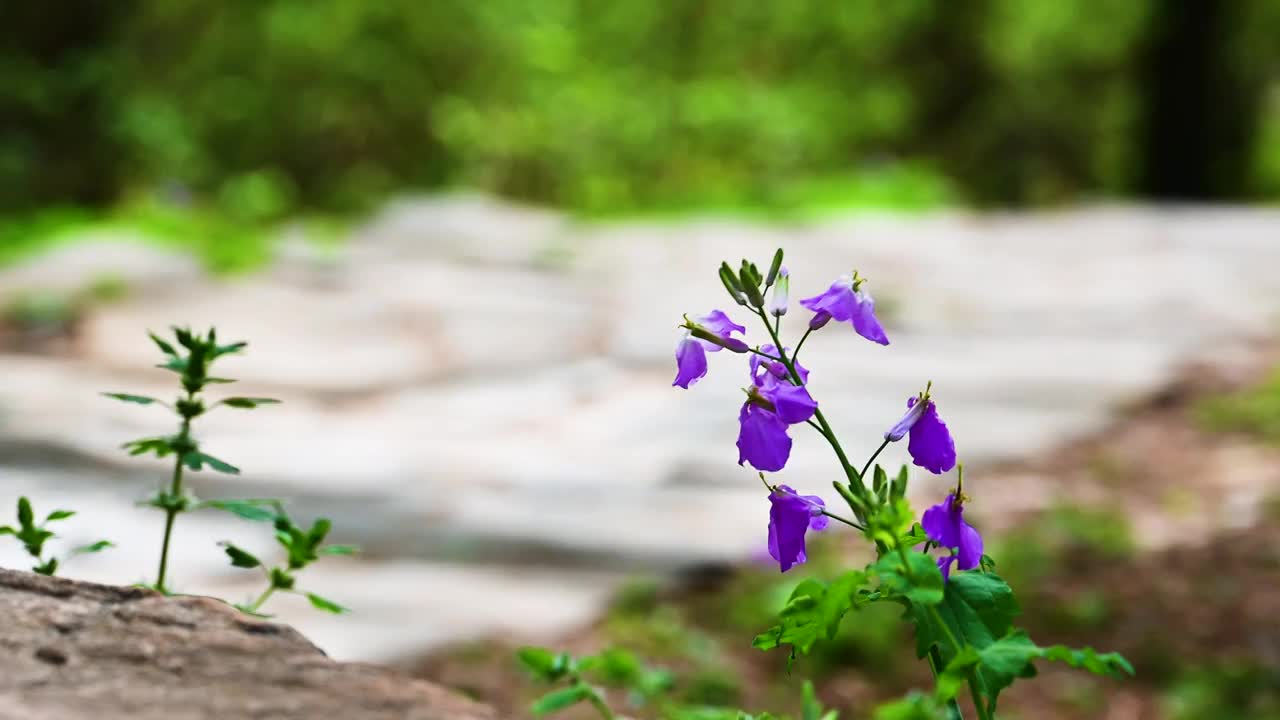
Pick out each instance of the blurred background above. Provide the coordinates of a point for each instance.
(459, 236)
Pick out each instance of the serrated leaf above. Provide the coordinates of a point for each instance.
(557, 700)
(1111, 664)
(339, 550)
(93, 547)
(920, 582)
(248, 403)
(978, 608)
(59, 515)
(326, 605)
(953, 677)
(813, 612)
(240, 558)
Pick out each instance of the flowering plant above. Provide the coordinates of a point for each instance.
(934, 568)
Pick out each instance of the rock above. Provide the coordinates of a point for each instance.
(78, 650)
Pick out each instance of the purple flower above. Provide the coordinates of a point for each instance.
(931, 446)
(711, 332)
(774, 367)
(762, 438)
(790, 516)
(944, 524)
(846, 302)
(771, 406)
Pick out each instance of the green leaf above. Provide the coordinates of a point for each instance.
(916, 706)
(59, 515)
(26, 518)
(7, 530)
(811, 707)
(47, 568)
(978, 609)
(339, 550)
(543, 663)
(920, 582)
(137, 399)
(813, 612)
(954, 676)
(219, 380)
(196, 460)
(247, 509)
(240, 558)
(1111, 664)
(165, 347)
(93, 547)
(174, 364)
(557, 700)
(326, 605)
(233, 348)
(158, 446)
(248, 403)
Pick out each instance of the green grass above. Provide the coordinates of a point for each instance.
(1254, 411)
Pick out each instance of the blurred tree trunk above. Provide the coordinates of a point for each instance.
(1203, 96)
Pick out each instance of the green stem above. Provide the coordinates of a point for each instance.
(171, 512)
(935, 665)
(262, 598)
(855, 481)
(873, 457)
(764, 354)
(601, 706)
(795, 354)
(850, 523)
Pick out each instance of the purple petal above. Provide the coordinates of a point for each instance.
(944, 566)
(819, 320)
(774, 367)
(903, 426)
(942, 523)
(864, 319)
(817, 521)
(793, 403)
(970, 547)
(691, 362)
(718, 323)
(788, 521)
(931, 446)
(762, 439)
(838, 301)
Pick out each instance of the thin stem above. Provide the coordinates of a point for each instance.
(601, 706)
(873, 457)
(850, 523)
(935, 665)
(262, 598)
(765, 354)
(795, 354)
(171, 512)
(984, 712)
(855, 481)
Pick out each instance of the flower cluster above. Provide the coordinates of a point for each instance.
(778, 397)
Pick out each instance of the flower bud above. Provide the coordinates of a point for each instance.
(778, 302)
(822, 317)
(774, 269)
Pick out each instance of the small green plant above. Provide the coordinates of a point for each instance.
(301, 547)
(33, 536)
(585, 679)
(192, 365)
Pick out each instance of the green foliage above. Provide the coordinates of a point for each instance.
(33, 537)
(301, 547)
(634, 106)
(814, 611)
(1254, 411)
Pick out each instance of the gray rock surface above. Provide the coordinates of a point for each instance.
(79, 651)
(480, 394)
